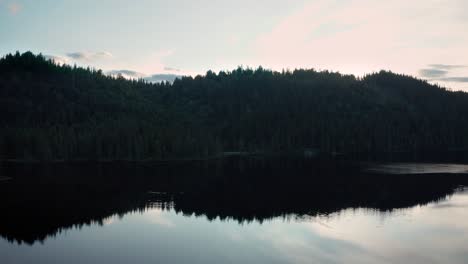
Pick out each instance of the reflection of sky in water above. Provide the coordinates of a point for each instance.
(418, 168)
(436, 233)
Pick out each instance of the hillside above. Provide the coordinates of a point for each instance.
(59, 112)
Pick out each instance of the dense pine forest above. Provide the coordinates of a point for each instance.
(62, 112)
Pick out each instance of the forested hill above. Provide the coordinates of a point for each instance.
(52, 112)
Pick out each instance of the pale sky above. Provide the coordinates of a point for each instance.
(423, 38)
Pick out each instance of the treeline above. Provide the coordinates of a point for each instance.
(54, 112)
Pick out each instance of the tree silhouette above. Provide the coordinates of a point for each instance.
(62, 112)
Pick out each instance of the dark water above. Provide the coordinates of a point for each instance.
(234, 211)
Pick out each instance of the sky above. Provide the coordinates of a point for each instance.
(154, 38)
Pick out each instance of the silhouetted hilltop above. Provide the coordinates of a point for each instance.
(54, 112)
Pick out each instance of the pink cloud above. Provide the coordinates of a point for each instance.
(365, 35)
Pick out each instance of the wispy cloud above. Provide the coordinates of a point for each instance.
(89, 56)
(363, 36)
(57, 59)
(444, 73)
(447, 66)
(153, 71)
(162, 78)
(128, 74)
(455, 79)
(432, 73)
(155, 78)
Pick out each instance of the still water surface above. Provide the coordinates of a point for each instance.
(351, 217)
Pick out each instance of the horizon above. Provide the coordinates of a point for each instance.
(159, 78)
(425, 39)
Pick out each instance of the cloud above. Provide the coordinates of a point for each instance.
(162, 77)
(447, 66)
(155, 78)
(432, 73)
(448, 204)
(444, 73)
(14, 8)
(363, 36)
(89, 56)
(57, 59)
(77, 55)
(128, 74)
(455, 79)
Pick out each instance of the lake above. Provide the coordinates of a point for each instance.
(234, 211)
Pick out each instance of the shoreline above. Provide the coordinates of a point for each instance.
(225, 155)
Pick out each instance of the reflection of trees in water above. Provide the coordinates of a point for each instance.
(43, 200)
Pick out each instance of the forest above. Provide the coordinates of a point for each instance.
(62, 112)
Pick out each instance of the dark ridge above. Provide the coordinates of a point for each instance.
(60, 112)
